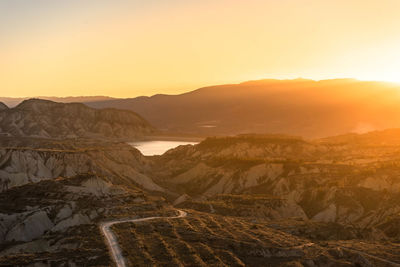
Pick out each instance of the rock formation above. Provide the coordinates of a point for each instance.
(251, 199)
(3, 106)
(120, 162)
(47, 119)
(353, 180)
(58, 219)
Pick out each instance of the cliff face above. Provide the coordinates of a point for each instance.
(54, 194)
(254, 198)
(343, 180)
(59, 219)
(47, 119)
(120, 163)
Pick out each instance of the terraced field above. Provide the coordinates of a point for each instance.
(203, 239)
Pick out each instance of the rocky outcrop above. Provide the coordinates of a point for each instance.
(24, 226)
(348, 179)
(61, 216)
(181, 199)
(121, 163)
(327, 215)
(31, 227)
(3, 106)
(74, 220)
(47, 119)
(239, 191)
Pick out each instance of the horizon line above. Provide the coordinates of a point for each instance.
(206, 86)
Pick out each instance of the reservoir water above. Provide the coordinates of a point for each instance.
(151, 148)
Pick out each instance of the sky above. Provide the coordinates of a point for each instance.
(125, 48)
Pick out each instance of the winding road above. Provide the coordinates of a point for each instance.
(112, 239)
(120, 261)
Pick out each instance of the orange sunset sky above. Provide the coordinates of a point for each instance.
(129, 48)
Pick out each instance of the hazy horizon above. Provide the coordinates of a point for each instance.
(123, 49)
(191, 89)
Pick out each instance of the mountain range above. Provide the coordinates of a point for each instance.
(252, 199)
(299, 107)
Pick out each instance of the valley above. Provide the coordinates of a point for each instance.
(223, 133)
(250, 200)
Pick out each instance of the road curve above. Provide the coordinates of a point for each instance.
(112, 240)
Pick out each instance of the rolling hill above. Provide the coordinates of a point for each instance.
(47, 119)
(14, 101)
(297, 107)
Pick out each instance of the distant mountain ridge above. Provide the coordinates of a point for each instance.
(47, 119)
(296, 107)
(14, 101)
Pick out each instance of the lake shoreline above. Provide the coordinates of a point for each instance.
(159, 147)
(172, 138)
